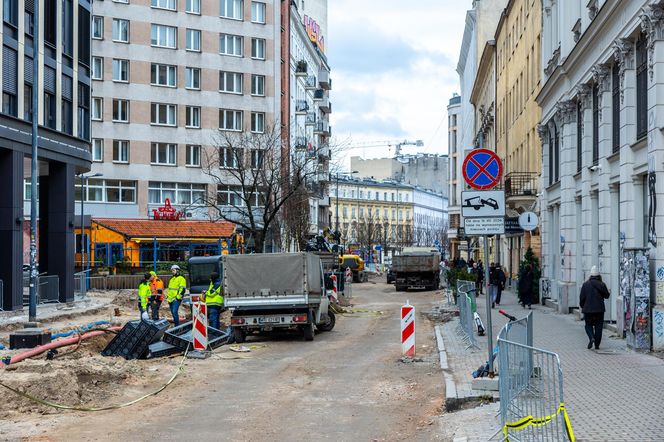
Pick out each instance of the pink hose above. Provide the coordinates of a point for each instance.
(55, 344)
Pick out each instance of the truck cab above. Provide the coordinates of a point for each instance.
(200, 269)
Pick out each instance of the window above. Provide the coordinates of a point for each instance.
(66, 109)
(230, 119)
(193, 155)
(27, 102)
(193, 114)
(108, 191)
(163, 75)
(163, 4)
(120, 151)
(163, 36)
(49, 109)
(579, 136)
(10, 81)
(641, 87)
(258, 85)
(615, 106)
(193, 40)
(192, 78)
(193, 6)
(231, 9)
(258, 48)
(229, 157)
(596, 93)
(230, 82)
(97, 68)
(257, 122)
(121, 70)
(230, 45)
(163, 114)
(50, 23)
(177, 193)
(121, 111)
(97, 149)
(121, 30)
(98, 27)
(67, 26)
(258, 12)
(97, 108)
(164, 154)
(257, 157)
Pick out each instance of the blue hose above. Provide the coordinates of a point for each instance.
(84, 328)
(2, 347)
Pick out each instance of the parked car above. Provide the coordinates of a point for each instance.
(391, 276)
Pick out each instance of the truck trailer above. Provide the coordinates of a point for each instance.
(416, 270)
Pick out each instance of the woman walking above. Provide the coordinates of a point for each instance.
(526, 286)
(593, 294)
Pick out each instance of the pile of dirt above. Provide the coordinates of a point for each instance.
(126, 299)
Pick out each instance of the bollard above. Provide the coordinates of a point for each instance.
(335, 290)
(199, 331)
(349, 274)
(408, 330)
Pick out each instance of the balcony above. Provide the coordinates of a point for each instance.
(301, 69)
(322, 128)
(521, 185)
(301, 107)
(324, 79)
(324, 105)
(323, 154)
(300, 143)
(324, 202)
(310, 83)
(310, 119)
(319, 95)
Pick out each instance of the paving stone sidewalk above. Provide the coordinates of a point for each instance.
(611, 394)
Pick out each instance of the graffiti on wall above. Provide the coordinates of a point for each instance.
(652, 182)
(635, 287)
(314, 32)
(658, 329)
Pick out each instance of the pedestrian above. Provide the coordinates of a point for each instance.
(493, 283)
(157, 296)
(501, 279)
(591, 300)
(144, 294)
(462, 264)
(480, 267)
(177, 286)
(478, 283)
(214, 300)
(526, 286)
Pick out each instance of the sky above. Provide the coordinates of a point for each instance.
(393, 67)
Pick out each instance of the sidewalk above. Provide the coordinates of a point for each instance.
(612, 394)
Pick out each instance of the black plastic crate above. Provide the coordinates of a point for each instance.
(120, 340)
(161, 349)
(181, 336)
(146, 333)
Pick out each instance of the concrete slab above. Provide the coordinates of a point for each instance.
(485, 384)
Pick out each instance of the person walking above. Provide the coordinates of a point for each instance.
(526, 286)
(493, 283)
(177, 286)
(214, 300)
(591, 300)
(144, 293)
(501, 279)
(157, 296)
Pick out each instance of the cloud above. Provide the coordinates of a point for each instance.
(389, 127)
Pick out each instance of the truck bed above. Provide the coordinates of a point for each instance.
(416, 263)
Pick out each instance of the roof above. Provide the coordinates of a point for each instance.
(149, 228)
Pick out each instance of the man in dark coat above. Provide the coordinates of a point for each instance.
(526, 286)
(593, 294)
(501, 279)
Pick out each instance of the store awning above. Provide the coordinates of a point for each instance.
(148, 229)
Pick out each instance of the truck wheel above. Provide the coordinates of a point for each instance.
(329, 324)
(308, 331)
(400, 288)
(239, 335)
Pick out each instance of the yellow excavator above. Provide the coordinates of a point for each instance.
(356, 265)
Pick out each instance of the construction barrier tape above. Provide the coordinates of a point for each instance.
(538, 422)
(179, 369)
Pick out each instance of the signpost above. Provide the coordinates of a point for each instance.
(483, 212)
(528, 221)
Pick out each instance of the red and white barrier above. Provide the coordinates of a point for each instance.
(199, 328)
(349, 275)
(408, 330)
(335, 295)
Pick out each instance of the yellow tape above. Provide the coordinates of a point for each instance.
(539, 422)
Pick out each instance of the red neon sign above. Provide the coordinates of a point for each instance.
(167, 212)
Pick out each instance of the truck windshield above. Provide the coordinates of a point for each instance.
(199, 274)
(350, 262)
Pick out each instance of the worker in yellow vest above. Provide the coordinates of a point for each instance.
(157, 297)
(144, 293)
(177, 286)
(214, 300)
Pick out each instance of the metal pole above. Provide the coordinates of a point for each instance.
(337, 206)
(83, 279)
(34, 163)
(154, 254)
(489, 330)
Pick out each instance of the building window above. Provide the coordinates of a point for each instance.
(121, 30)
(97, 108)
(229, 157)
(615, 105)
(258, 122)
(97, 149)
(192, 78)
(230, 45)
(193, 7)
(163, 75)
(121, 151)
(595, 124)
(108, 191)
(9, 81)
(66, 109)
(230, 82)
(258, 85)
(97, 68)
(50, 24)
(193, 114)
(164, 154)
(193, 40)
(83, 111)
(177, 193)
(579, 136)
(258, 48)
(258, 12)
(163, 4)
(641, 87)
(49, 110)
(67, 23)
(193, 155)
(230, 119)
(121, 111)
(231, 9)
(257, 157)
(98, 27)
(121, 70)
(163, 36)
(163, 114)
(27, 102)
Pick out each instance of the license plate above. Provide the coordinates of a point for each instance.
(269, 320)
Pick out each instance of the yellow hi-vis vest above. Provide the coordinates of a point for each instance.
(177, 285)
(144, 292)
(213, 296)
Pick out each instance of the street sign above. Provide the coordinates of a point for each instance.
(485, 226)
(483, 203)
(528, 221)
(512, 226)
(482, 169)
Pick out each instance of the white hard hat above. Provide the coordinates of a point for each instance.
(175, 267)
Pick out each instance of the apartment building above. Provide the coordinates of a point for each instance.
(454, 174)
(63, 115)
(169, 76)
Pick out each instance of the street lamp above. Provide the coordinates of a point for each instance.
(84, 182)
(357, 199)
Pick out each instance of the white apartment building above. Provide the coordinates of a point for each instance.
(454, 172)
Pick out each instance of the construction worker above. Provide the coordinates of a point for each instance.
(144, 293)
(157, 297)
(214, 300)
(177, 286)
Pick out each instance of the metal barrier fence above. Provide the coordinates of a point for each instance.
(531, 394)
(465, 301)
(49, 289)
(520, 331)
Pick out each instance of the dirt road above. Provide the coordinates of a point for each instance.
(347, 385)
